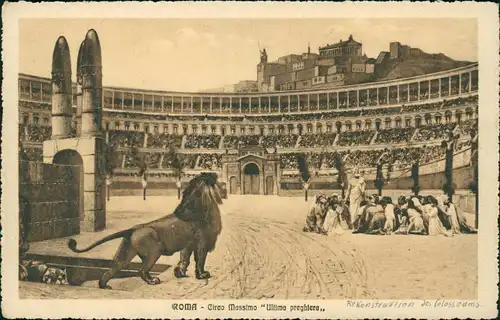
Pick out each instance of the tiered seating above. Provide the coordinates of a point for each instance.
(210, 161)
(280, 141)
(466, 127)
(433, 132)
(328, 160)
(188, 160)
(38, 133)
(233, 142)
(202, 141)
(348, 138)
(394, 135)
(363, 159)
(423, 107)
(164, 140)
(288, 161)
(317, 140)
(126, 138)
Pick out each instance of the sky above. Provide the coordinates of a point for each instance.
(197, 54)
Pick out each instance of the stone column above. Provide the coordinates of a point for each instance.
(79, 93)
(62, 112)
(92, 137)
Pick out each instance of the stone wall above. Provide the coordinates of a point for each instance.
(462, 178)
(49, 197)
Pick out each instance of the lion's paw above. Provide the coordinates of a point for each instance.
(179, 273)
(153, 281)
(203, 275)
(105, 286)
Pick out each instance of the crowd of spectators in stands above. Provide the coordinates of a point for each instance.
(279, 141)
(433, 132)
(202, 141)
(126, 138)
(363, 159)
(188, 160)
(235, 142)
(288, 161)
(314, 140)
(210, 161)
(423, 107)
(352, 138)
(394, 135)
(35, 133)
(163, 140)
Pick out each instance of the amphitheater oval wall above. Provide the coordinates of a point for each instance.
(222, 119)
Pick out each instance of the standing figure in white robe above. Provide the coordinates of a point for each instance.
(355, 193)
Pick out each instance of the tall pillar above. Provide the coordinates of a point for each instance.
(79, 92)
(91, 70)
(93, 157)
(62, 111)
(459, 83)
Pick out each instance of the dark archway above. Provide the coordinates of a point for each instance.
(251, 179)
(73, 158)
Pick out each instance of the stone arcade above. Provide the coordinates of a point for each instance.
(85, 148)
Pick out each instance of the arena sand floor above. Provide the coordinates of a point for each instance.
(262, 253)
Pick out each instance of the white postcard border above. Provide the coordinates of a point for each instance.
(488, 44)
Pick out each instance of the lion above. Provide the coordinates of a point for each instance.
(193, 227)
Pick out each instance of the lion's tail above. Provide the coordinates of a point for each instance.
(121, 234)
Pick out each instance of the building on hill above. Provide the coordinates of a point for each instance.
(335, 65)
(349, 48)
(400, 51)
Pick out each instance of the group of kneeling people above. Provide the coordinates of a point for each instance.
(415, 214)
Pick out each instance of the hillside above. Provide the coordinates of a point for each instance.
(415, 66)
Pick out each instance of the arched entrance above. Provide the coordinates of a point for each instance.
(73, 158)
(269, 185)
(233, 187)
(251, 179)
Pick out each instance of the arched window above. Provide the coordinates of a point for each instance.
(437, 116)
(408, 122)
(428, 118)
(319, 128)
(398, 122)
(348, 125)
(388, 122)
(418, 121)
(368, 124)
(358, 125)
